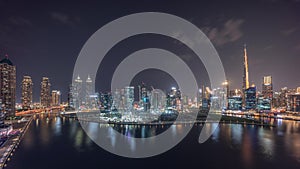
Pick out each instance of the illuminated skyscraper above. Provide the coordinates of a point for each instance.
(245, 74)
(7, 87)
(250, 96)
(129, 98)
(293, 102)
(158, 101)
(144, 96)
(267, 87)
(70, 96)
(265, 99)
(26, 92)
(282, 97)
(89, 92)
(77, 92)
(45, 92)
(55, 98)
(235, 103)
(246, 70)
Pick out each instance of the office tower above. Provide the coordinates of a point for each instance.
(235, 103)
(144, 97)
(106, 102)
(70, 96)
(267, 87)
(293, 102)
(276, 100)
(250, 96)
(77, 92)
(226, 94)
(158, 101)
(45, 92)
(226, 87)
(89, 92)
(263, 104)
(55, 97)
(218, 99)
(174, 99)
(129, 98)
(205, 99)
(26, 92)
(245, 74)
(282, 97)
(8, 87)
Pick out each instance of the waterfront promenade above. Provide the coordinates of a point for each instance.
(7, 149)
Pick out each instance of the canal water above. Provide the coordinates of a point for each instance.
(54, 142)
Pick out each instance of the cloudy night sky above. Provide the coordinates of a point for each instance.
(45, 38)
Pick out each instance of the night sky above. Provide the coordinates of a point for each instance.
(44, 38)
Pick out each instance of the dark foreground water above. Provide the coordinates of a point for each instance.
(53, 142)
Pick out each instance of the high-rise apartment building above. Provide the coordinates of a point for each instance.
(55, 98)
(7, 87)
(26, 92)
(45, 92)
(267, 87)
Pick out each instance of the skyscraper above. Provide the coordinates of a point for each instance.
(7, 87)
(250, 96)
(144, 96)
(45, 92)
(267, 87)
(89, 92)
(129, 98)
(55, 98)
(157, 101)
(77, 92)
(70, 96)
(293, 102)
(245, 74)
(26, 92)
(246, 70)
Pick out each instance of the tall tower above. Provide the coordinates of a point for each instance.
(88, 92)
(55, 98)
(45, 92)
(246, 70)
(267, 87)
(77, 92)
(245, 74)
(26, 92)
(7, 87)
(70, 96)
(129, 98)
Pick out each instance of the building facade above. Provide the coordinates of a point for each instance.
(245, 75)
(7, 87)
(77, 92)
(55, 98)
(26, 92)
(250, 96)
(267, 87)
(45, 92)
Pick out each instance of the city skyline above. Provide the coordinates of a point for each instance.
(124, 83)
(272, 43)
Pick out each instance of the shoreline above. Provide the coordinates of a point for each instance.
(6, 158)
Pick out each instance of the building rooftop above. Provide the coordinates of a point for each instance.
(7, 61)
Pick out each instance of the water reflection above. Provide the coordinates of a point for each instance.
(251, 145)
